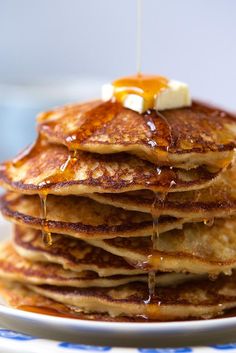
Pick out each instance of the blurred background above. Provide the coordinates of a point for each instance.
(60, 51)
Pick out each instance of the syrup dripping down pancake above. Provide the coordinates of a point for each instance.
(197, 248)
(217, 200)
(81, 217)
(197, 299)
(73, 254)
(52, 169)
(186, 137)
(15, 267)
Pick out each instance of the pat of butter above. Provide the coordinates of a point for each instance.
(175, 95)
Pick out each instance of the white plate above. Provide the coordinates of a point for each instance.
(110, 334)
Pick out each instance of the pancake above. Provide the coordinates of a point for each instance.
(16, 295)
(81, 217)
(16, 268)
(52, 169)
(21, 297)
(73, 254)
(200, 299)
(185, 137)
(218, 200)
(197, 248)
(69, 252)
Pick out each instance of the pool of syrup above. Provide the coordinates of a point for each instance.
(47, 311)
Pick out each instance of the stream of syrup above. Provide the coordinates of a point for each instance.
(46, 234)
(159, 197)
(29, 153)
(139, 37)
(67, 171)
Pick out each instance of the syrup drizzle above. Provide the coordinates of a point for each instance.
(139, 37)
(209, 221)
(159, 197)
(158, 204)
(94, 120)
(66, 171)
(46, 234)
(31, 152)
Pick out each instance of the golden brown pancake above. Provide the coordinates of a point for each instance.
(52, 169)
(18, 296)
(16, 268)
(21, 297)
(185, 137)
(73, 254)
(81, 217)
(197, 248)
(200, 299)
(218, 200)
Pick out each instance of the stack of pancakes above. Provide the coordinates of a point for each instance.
(123, 216)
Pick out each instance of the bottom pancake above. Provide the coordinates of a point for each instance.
(199, 299)
(18, 296)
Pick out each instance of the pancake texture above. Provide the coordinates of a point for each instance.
(73, 254)
(52, 169)
(203, 299)
(217, 200)
(18, 295)
(16, 268)
(197, 248)
(77, 255)
(186, 137)
(81, 217)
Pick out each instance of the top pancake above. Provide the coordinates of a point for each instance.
(47, 168)
(186, 137)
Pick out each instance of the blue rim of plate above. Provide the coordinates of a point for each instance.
(23, 340)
